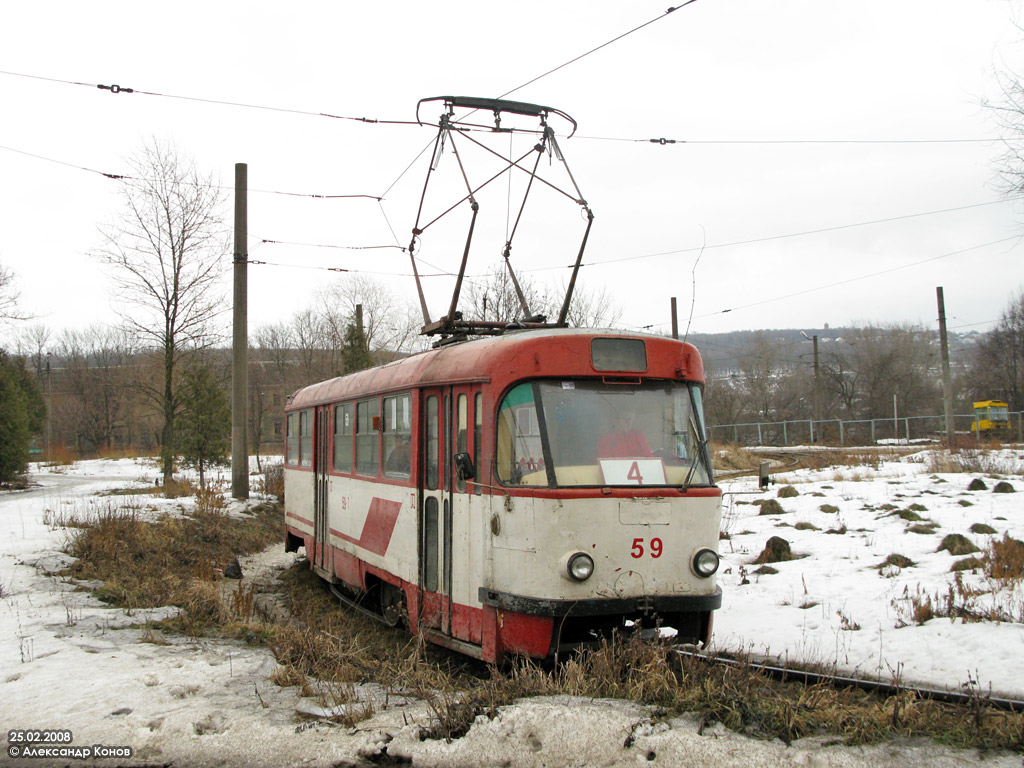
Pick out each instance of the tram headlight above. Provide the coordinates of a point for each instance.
(705, 562)
(580, 566)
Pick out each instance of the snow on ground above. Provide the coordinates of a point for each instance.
(811, 609)
(68, 661)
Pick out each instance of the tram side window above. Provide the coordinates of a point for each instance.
(478, 428)
(520, 455)
(431, 432)
(367, 437)
(461, 434)
(343, 438)
(397, 436)
(292, 446)
(306, 438)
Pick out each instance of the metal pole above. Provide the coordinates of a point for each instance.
(240, 342)
(675, 320)
(947, 379)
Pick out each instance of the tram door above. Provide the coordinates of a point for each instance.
(436, 509)
(321, 466)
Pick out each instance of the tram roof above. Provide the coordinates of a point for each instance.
(506, 358)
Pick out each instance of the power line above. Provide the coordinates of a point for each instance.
(115, 176)
(861, 277)
(769, 238)
(122, 177)
(665, 141)
(117, 89)
(598, 48)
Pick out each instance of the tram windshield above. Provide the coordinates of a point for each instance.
(582, 432)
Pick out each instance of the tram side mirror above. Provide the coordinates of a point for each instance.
(464, 466)
(763, 478)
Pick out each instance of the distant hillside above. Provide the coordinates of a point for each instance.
(722, 351)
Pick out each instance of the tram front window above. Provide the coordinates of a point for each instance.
(590, 433)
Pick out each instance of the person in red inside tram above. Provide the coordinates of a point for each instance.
(624, 442)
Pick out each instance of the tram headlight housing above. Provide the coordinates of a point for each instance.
(705, 563)
(580, 566)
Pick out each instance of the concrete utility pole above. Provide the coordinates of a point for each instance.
(817, 385)
(947, 379)
(240, 342)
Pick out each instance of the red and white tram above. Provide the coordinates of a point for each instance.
(516, 494)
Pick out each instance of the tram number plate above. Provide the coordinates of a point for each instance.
(633, 471)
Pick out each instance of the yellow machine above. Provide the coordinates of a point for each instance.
(991, 416)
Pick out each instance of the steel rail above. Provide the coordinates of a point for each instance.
(874, 686)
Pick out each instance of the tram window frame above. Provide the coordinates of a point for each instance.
(431, 443)
(292, 440)
(461, 433)
(306, 438)
(344, 435)
(367, 443)
(478, 437)
(397, 410)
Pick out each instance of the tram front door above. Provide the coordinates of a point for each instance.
(436, 510)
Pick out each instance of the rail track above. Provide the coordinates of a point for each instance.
(879, 687)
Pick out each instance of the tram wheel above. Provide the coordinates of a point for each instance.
(392, 605)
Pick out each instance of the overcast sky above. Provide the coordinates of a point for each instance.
(783, 105)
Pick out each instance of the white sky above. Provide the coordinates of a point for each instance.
(716, 71)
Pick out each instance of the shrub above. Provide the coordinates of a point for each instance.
(788, 492)
(967, 564)
(1003, 487)
(770, 507)
(907, 514)
(898, 561)
(977, 484)
(1006, 559)
(982, 528)
(957, 544)
(273, 479)
(829, 508)
(776, 550)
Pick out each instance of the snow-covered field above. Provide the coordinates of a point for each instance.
(70, 662)
(836, 606)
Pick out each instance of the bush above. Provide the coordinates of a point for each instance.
(899, 561)
(769, 507)
(776, 550)
(273, 480)
(788, 492)
(1006, 559)
(957, 544)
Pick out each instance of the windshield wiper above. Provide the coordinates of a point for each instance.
(701, 451)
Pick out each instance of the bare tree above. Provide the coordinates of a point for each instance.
(97, 380)
(494, 297)
(593, 309)
(998, 369)
(33, 343)
(9, 296)
(167, 249)
(389, 322)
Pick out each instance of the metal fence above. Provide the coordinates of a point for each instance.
(854, 431)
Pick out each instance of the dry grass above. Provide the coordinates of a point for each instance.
(327, 651)
(147, 564)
